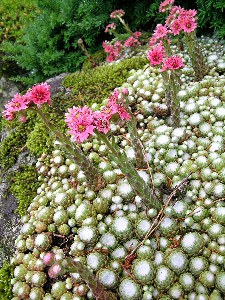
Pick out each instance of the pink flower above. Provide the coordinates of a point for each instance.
(80, 121)
(189, 25)
(125, 91)
(17, 103)
(131, 42)
(49, 258)
(176, 10)
(111, 57)
(161, 31)
(117, 13)
(75, 112)
(113, 50)
(124, 115)
(153, 40)
(54, 271)
(156, 55)
(107, 47)
(172, 63)
(114, 106)
(110, 26)
(8, 115)
(40, 93)
(101, 122)
(137, 34)
(22, 119)
(165, 5)
(176, 27)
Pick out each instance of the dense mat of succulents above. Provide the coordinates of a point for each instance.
(133, 253)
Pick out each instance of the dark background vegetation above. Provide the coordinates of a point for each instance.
(40, 36)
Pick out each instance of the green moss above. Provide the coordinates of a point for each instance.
(96, 84)
(14, 143)
(39, 140)
(6, 274)
(24, 186)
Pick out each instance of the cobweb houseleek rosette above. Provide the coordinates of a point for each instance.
(94, 179)
(141, 188)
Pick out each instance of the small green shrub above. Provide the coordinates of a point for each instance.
(96, 84)
(6, 274)
(211, 14)
(24, 184)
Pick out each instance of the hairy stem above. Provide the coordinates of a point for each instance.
(141, 188)
(132, 128)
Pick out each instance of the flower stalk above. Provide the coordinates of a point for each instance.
(141, 188)
(197, 59)
(84, 49)
(175, 103)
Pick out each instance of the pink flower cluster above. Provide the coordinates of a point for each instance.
(160, 33)
(180, 19)
(166, 5)
(117, 13)
(111, 26)
(38, 94)
(131, 42)
(157, 56)
(83, 121)
(113, 50)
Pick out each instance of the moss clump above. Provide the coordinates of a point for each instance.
(39, 140)
(96, 84)
(24, 186)
(6, 274)
(14, 143)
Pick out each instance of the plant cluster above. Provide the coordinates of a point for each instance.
(103, 226)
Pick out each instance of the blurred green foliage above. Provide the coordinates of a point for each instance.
(6, 274)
